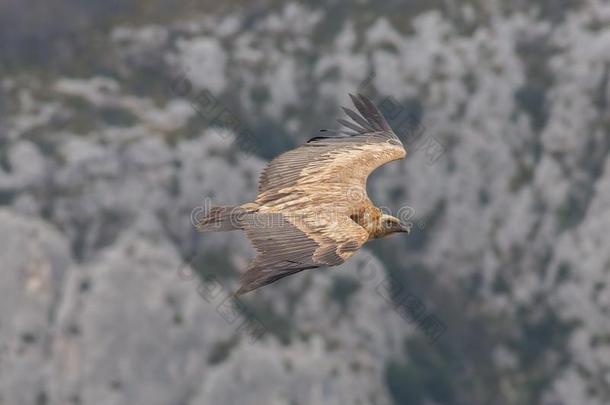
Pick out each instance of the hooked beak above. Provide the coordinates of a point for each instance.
(406, 227)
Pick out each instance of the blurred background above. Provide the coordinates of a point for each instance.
(118, 118)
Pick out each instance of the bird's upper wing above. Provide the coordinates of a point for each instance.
(288, 243)
(331, 171)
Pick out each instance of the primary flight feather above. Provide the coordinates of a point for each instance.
(312, 209)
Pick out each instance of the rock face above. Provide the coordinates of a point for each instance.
(137, 325)
(110, 296)
(150, 348)
(36, 264)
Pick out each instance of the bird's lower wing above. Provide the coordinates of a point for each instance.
(287, 244)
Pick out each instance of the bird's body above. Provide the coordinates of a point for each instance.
(312, 209)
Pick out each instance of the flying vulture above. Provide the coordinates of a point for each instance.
(312, 209)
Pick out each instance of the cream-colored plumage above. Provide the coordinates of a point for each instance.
(312, 209)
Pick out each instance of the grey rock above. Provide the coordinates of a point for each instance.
(35, 264)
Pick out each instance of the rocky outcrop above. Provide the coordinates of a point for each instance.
(110, 296)
(36, 264)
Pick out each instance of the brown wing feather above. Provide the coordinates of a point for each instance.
(331, 170)
(290, 244)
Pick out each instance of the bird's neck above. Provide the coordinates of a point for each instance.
(368, 218)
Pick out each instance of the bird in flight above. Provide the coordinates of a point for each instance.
(312, 209)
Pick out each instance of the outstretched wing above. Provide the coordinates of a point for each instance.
(331, 171)
(288, 243)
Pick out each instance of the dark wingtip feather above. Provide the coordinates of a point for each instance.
(372, 113)
(339, 134)
(351, 125)
(317, 138)
(359, 120)
(370, 118)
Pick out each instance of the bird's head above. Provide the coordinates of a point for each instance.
(388, 225)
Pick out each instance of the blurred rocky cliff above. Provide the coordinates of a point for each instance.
(117, 120)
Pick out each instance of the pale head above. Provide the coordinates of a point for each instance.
(388, 225)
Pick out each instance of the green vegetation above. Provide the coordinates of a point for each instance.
(216, 264)
(279, 325)
(522, 176)
(343, 288)
(118, 117)
(426, 374)
(571, 213)
(221, 350)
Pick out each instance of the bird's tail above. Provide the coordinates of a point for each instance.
(222, 219)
